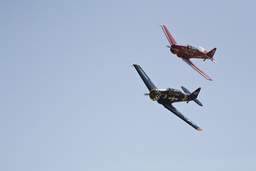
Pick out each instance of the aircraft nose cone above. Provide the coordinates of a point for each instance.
(153, 94)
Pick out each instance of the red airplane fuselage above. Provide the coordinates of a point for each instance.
(187, 52)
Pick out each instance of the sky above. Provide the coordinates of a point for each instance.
(71, 99)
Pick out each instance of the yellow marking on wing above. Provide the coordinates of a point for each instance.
(199, 129)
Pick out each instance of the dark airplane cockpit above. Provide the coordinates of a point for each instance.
(175, 92)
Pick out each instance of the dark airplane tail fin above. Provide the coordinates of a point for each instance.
(193, 96)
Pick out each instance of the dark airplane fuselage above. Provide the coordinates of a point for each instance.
(168, 96)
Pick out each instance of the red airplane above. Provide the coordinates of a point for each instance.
(187, 52)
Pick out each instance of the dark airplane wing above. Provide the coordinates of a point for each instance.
(144, 77)
(184, 118)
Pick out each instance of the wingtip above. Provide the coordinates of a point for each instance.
(135, 64)
(205, 76)
(199, 129)
(208, 78)
(161, 25)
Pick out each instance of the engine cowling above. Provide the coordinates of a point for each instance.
(174, 49)
(154, 94)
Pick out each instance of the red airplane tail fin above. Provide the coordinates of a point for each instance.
(211, 53)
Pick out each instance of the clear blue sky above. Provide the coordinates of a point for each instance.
(71, 100)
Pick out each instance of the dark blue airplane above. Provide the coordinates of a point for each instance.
(168, 96)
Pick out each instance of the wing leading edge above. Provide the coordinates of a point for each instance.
(150, 85)
(197, 69)
(171, 108)
(168, 35)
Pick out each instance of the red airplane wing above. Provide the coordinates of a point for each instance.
(197, 69)
(168, 35)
